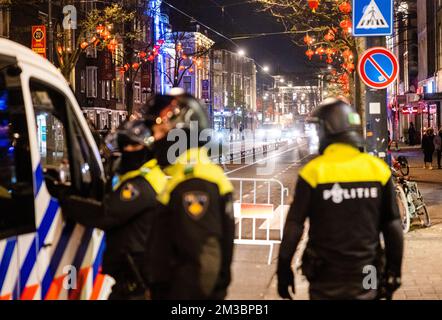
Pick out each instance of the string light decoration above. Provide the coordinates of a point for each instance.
(345, 7)
(310, 53)
(314, 5)
(308, 40)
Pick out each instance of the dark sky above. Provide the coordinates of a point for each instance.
(276, 51)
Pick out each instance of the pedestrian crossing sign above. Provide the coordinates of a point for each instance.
(372, 18)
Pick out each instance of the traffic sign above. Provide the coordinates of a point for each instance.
(378, 68)
(38, 44)
(372, 18)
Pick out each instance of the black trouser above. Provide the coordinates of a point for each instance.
(126, 289)
(439, 156)
(129, 284)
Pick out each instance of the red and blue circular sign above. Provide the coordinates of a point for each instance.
(378, 68)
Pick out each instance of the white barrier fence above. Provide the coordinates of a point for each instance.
(265, 210)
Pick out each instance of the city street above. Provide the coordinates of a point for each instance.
(127, 127)
(422, 270)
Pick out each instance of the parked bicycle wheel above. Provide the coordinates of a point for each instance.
(403, 208)
(424, 216)
(403, 165)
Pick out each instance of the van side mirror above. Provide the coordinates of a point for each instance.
(57, 180)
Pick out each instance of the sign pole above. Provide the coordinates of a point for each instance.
(378, 68)
(376, 112)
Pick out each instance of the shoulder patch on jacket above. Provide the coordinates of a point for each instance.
(195, 203)
(129, 192)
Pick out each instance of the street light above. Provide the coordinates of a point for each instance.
(241, 52)
(266, 69)
(281, 80)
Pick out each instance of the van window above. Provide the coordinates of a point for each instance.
(16, 178)
(63, 147)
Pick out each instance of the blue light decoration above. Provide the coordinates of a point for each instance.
(160, 23)
(3, 101)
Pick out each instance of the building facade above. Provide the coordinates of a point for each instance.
(109, 84)
(293, 102)
(194, 70)
(416, 96)
(233, 90)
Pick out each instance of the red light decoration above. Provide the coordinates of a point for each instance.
(160, 42)
(308, 40)
(309, 53)
(142, 54)
(320, 52)
(313, 4)
(126, 66)
(329, 51)
(151, 58)
(100, 29)
(84, 45)
(345, 7)
(347, 54)
(350, 67)
(345, 24)
(330, 36)
(135, 65)
(105, 34)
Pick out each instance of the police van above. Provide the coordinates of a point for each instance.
(46, 148)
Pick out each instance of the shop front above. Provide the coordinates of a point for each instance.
(423, 111)
(433, 108)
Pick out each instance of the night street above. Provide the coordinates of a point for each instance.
(221, 153)
(253, 278)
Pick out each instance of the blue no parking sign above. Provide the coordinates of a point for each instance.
(372, 18)
(378, 68)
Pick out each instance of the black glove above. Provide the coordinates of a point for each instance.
(390, 283)
(286, 280)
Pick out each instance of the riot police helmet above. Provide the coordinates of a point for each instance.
(336, 121)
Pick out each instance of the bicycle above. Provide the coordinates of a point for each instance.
(400, 165)
(411, 203)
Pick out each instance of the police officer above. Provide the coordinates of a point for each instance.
(193, 247)
(349, 199)
(127, 213)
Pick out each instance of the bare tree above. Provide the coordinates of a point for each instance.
(324, 27)
(185, 55)
(100, 28)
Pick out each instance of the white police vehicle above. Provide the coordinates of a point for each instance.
(45, 147)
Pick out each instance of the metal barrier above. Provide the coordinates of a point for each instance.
(259, 211)
(243, 152)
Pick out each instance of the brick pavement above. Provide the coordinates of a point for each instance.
(422, 269)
